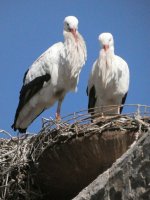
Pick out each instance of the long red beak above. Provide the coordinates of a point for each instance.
(105, 47)
(73, 31)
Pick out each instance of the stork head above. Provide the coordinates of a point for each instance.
(71, 25)
(106, 41)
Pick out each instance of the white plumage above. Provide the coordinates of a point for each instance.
(109, 79)
(51, 76)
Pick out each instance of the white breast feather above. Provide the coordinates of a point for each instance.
(75, 54)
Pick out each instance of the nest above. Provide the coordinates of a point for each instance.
(19, 156)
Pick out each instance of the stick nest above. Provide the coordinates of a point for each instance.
(19, 155)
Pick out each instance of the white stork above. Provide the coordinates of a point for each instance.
(51, 76)
(109, 80)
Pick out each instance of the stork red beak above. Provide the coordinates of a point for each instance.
(105, 47)
(73, 31)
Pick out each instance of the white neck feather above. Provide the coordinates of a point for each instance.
(75, 53)
(106, 67)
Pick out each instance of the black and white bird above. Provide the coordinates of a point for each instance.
(51, 76)
(109, 80)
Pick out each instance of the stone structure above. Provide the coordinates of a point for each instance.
(127, 179)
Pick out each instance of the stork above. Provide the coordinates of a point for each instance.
(51, 76)
(109, 80)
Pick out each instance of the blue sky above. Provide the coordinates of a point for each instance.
(27, 28)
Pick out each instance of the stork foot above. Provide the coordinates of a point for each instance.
(102, 115)
(58, 120)
(58, 117)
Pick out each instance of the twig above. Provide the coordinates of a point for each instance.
(5, 132)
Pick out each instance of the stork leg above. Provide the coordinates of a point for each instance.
(118, 110)
(102, 112)
(58, 117)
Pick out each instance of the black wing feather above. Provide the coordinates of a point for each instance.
(92, 99)
(123, 101)
(28, 91)
(25, 76)
(87, 91)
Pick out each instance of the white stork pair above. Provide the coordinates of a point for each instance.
(57, 70)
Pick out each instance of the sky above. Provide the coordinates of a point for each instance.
(28, 28)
